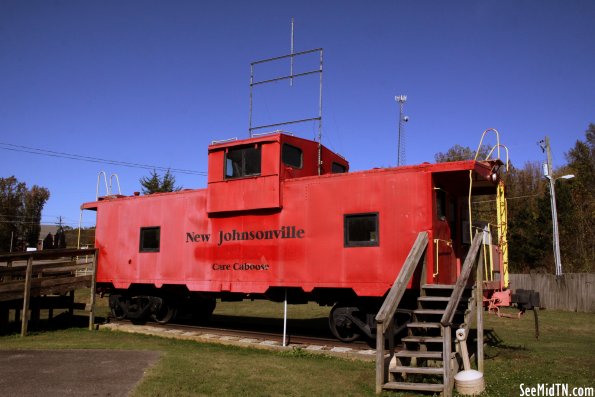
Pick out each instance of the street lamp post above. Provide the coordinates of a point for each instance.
(556, 238)
(547, 172)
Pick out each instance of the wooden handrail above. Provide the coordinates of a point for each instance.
(462, 281)
(387, 311)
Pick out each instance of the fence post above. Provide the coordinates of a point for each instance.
(27, 296)
(92, 293)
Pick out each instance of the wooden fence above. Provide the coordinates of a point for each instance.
(570, 292)
(51, 273)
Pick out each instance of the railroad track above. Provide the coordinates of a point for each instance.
(227, 334)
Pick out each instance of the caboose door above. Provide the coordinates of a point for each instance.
(445, 264)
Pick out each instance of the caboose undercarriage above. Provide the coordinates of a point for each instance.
(350, 318)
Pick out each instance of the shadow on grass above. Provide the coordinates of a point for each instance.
(312, 327)
(493, 340)
(60, 322)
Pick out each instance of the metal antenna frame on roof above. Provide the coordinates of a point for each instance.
(290, 77)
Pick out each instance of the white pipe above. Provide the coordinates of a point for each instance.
(285, 320)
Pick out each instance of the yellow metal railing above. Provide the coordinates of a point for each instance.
(436, 249)
(502, 218)
(501, 213)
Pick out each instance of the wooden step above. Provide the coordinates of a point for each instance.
(438, 286)
(418, 370)
(433, 298)
(417, 324)
(428, 311)
(423, 339)
(418, 354)
(435, 387)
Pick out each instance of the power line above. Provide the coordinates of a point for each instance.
(507, 198)
(52, 153)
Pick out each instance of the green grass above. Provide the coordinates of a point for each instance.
(563, 354)
(267, 309)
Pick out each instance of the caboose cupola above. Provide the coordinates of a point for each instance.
(246, 174)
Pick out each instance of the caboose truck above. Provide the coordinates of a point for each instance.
(268, 226)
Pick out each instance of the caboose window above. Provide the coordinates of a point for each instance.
(292, 156)
(338, 168)
(241, 162)
(150, 239)
(361, 230)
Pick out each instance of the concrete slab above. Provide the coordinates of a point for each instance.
(54, 373)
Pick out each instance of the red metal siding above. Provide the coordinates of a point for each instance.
(313, 254)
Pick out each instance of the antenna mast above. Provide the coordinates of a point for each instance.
(401, 99)
(291, 77)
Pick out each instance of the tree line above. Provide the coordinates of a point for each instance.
(20, 214)
(530, 219)
(529, 209)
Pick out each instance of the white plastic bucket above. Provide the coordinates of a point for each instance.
(469, 383)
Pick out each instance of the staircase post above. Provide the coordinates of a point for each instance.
(479, 308)
(379, 357)
(446, 364)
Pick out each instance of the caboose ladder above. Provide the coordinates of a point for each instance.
(427, 363)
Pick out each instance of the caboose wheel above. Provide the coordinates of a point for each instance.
(342, 324)
(163, 312)
(118, 306)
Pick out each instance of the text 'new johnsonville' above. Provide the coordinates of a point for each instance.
(234, 235)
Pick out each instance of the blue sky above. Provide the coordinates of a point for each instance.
(153, 82)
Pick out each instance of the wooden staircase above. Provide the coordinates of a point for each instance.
(427, 363)
(419, 366)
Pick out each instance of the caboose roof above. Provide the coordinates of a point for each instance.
(277, 136)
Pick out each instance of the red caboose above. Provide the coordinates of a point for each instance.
(270, 224)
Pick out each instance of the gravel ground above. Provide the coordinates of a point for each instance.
(53, 373)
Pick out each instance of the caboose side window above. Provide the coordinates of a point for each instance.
(150, 238)
(241, 162)
(292, 156)
(361, 230)
(338, 168)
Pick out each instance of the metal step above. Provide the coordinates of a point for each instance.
(435, 387)
(418, 354)
(423, 325)
(418, 370)
(423, 339)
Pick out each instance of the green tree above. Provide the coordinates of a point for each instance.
(20, 213)
(157, 184)
(578, 222)
(527, 237)
(35, 199)
(458, 153)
